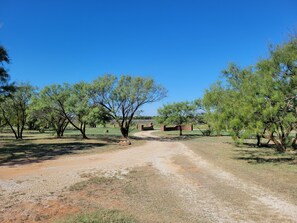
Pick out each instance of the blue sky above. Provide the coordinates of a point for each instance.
(182, 44)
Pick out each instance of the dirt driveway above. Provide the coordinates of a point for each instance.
(205, 192)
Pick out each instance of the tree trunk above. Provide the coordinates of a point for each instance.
(180, 131)
(10, 125)
(83, 131)
(124, 131)
(204, 133)
(60, 128)
(18, 130)
(59, 132)
(64, 127)
(258, 140)
(82, 127)
(14, 132)
(294, 145)
(280, 146)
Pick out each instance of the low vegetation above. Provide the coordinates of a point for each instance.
(100, 216)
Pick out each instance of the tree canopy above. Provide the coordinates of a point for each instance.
(123, 97)
(177, 113)
(259, 100)
(14, 109)
(5, 87)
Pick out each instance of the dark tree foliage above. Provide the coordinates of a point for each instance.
(5, 87)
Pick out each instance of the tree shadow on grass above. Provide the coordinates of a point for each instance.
(19, 154)
(265, 155)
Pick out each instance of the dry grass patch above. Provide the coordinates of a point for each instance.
(100, 216)
(262, 166)
(143, 195)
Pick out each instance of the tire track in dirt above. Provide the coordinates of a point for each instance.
(220, 195)
(262, 195)
(40, 179)
(205, 191)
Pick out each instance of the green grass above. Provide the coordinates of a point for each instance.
(195, 132)
(95, 132)
(100, 216)
(36, 146)
(28, 151)
(176, 133)
(265, 156)
(98, 132)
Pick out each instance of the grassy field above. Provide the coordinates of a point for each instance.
(140, 196)
(263, 166)
(37, 147)
(143, 194)
(101, 216)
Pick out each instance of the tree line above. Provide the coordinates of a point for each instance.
(60, 105)
(258, 101)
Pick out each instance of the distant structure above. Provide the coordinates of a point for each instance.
(177, 127)
(142, 127)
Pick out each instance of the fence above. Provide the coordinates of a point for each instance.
(145, 128)
(177, 127)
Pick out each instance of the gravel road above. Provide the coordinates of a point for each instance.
(205, 191)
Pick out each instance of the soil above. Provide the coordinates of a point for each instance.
(161, 178)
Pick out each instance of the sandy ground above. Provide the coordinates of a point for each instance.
(205, 191)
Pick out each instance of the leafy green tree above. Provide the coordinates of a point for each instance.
(69, 104)
(14, 109)
(215, 101)
(98, 115)
(123, 97)
(44, 114)
(200, 118)
(178, 113)
(236, 108)
(78, 110)
(260, 100)
(279, 92)
(54, 98)
(5, 87)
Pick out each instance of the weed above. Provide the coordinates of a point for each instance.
(100, 216)
(78, 186)
(92, 181)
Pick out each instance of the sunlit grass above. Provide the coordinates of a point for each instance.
(37, 146)
(100, 216)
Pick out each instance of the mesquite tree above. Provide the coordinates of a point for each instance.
(259, 100)
(14, 109)
(78, 109)
(69, 103)
(5, 87)
(178, 113)
(123, 97)
(45, 114)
